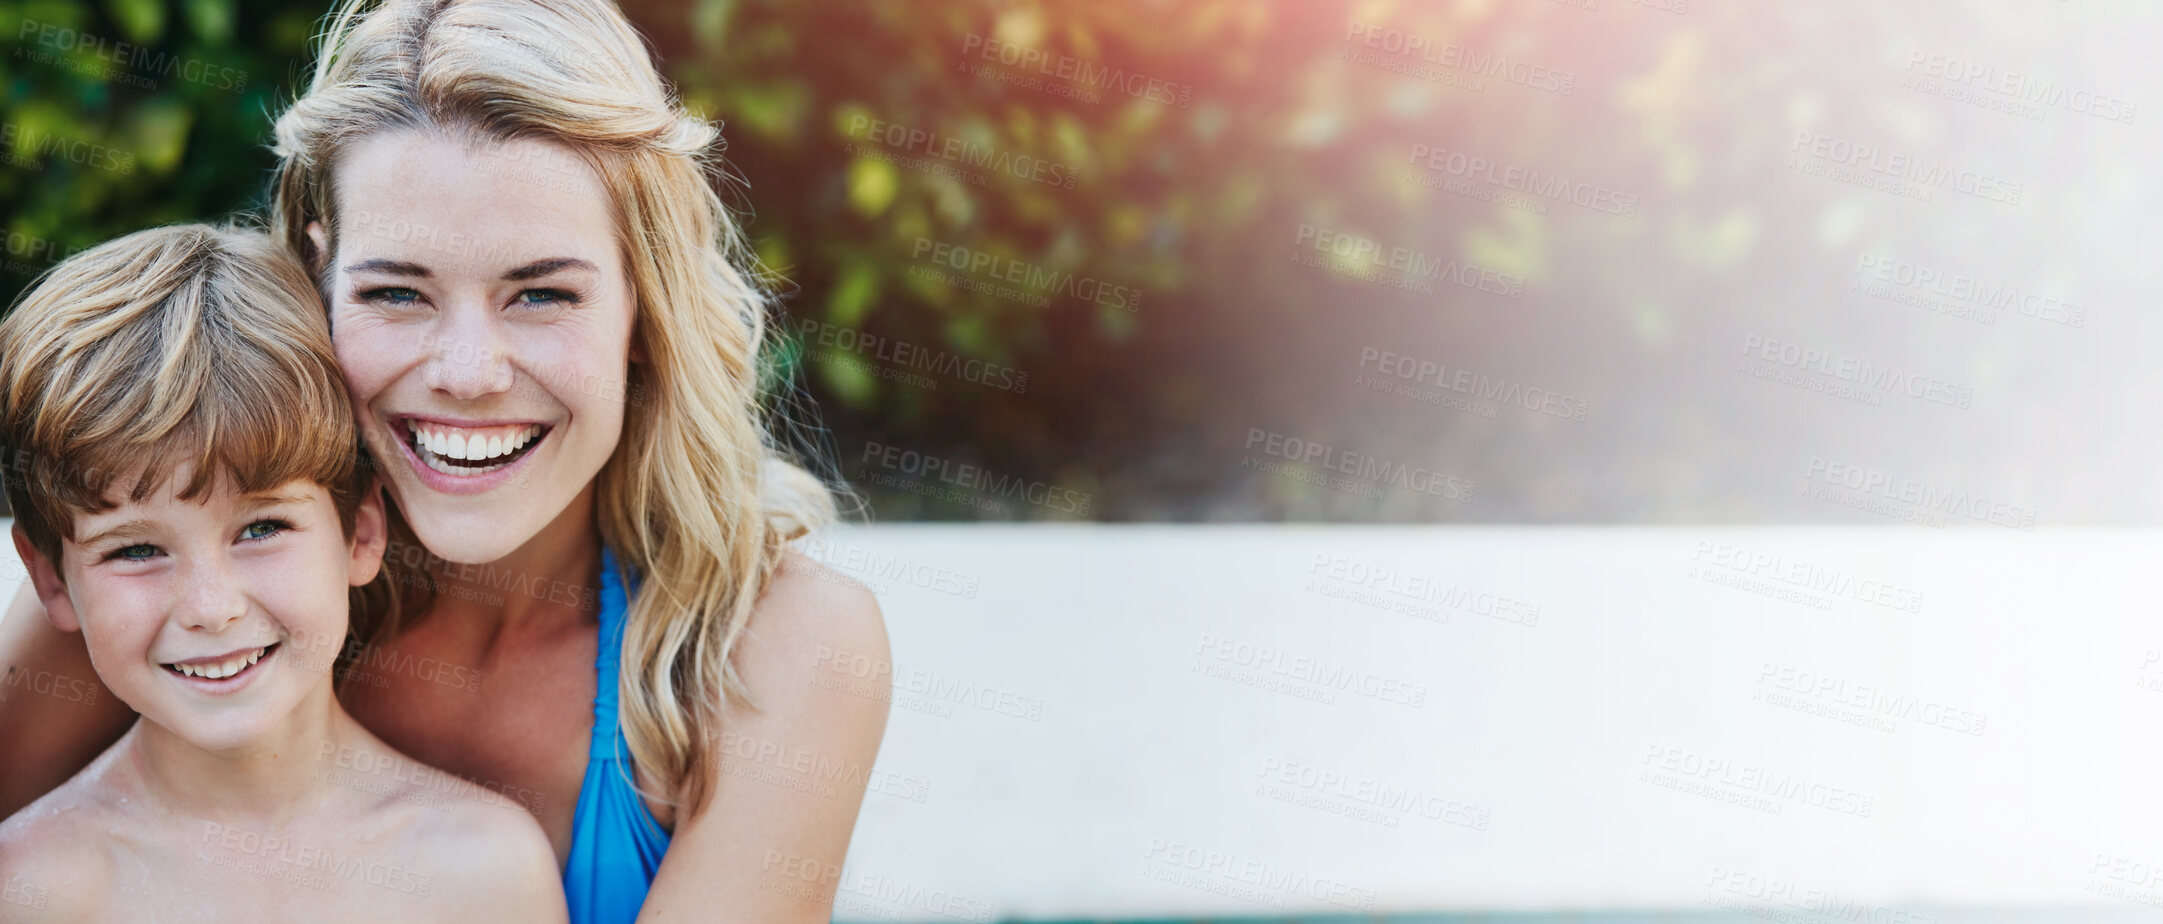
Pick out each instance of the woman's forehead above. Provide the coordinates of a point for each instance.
(473, 206)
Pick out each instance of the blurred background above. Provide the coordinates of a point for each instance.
(1841, 313)
(1094, 250)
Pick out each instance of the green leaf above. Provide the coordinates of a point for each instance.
(872, 184)
(141, 21)
(848, 378)
(210, 20)
(158, 134)
(710, 22)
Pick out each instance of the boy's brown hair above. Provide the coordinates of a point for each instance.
(190, 345)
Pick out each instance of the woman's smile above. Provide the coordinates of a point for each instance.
(459, 457)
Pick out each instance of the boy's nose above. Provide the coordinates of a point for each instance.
(210, 599)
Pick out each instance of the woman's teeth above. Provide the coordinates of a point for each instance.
(464, 451)
(221, 669)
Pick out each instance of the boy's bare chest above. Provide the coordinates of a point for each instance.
(235, 873)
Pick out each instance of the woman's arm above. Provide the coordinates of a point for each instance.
(768, 851)
(55, 715)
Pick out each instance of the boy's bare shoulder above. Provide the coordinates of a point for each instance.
(493, 854)
(55, 864)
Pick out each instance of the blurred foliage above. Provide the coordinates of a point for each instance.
(121, 114)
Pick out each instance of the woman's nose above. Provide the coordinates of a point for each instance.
(466, 359)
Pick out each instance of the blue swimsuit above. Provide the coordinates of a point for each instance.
(616, 846)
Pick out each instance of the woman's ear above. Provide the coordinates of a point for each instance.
(371, 533)
(45, 580)
(321, 256)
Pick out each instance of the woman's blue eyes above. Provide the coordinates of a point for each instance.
(393, 295)
(545, 296)
(400, 295)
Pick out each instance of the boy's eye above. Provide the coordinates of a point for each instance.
(546, 297)
(137, 552)
(264, 529)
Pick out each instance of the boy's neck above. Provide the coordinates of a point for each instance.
(269, 780)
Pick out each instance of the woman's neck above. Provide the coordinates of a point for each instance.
(543, 583)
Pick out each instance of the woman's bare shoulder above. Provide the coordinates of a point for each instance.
(809, 618)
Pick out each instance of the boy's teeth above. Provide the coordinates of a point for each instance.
(222, 669)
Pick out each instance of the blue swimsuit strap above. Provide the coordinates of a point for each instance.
(616, 846)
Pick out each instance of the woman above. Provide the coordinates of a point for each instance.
(554, 362)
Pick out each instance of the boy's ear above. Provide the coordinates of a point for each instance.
(45, 579)
(370, 534)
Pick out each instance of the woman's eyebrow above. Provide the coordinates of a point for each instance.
(539, 268)
(391, 267)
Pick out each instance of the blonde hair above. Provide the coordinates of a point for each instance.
(696, 498)
(189, 344)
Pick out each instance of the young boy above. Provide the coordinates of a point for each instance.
(179, 451)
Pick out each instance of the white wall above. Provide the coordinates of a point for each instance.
(1137, 758)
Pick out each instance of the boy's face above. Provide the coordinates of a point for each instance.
(217, 617)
